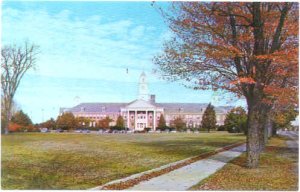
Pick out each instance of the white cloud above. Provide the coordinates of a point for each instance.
(87, 48)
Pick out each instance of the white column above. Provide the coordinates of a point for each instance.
(135, 125)
(128, 118)
(146, 118)
(154, 119)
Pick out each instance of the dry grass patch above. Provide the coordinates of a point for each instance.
(277, 171)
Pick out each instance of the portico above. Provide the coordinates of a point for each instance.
(141, 114)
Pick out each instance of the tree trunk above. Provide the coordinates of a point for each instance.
(269, 127)
(7, 116)
(254, 135)
(7, 111)
(274, 129)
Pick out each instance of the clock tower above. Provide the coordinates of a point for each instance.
(143, 88)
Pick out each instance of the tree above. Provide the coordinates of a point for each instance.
(50, 124)
(120, 122)
(82, 122)
(15, 62)
(21, 118)
(236, 120)
(104, 123)
(179, 124)
(162, 122)
(283, 118)
(14, 109)
(249, 49)
(66, 121)
(209, 118)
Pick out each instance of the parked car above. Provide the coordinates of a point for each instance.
(59, 130)
(78, 131)
(85, 131)
(173, 131)
(100, 131)
(45, 130)
(165, 131)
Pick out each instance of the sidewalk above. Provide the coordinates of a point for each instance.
(188, 176)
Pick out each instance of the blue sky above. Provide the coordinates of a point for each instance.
(85, 49)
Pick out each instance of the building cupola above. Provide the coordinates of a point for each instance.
(143, 93)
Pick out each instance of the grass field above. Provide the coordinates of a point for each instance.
(278, 171)
(81, 161)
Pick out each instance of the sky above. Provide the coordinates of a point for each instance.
(85, 49)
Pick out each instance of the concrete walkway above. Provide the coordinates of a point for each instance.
(294, 136)
(184, 178)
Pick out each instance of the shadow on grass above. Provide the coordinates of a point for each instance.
(185, 148)
(271, 151)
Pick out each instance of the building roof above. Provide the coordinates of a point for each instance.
(97, 107)
(168, 107)
(190, 107)
(139, 103)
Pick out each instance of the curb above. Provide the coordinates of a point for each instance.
(146, 175)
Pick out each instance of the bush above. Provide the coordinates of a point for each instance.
(117, 128)
(147, 129)
(202, 129)
(221, 128)
(93, 128)
(139, 131)
(31, 128)
(164, 128)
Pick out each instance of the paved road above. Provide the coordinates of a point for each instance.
(183, 178)
(294, 136)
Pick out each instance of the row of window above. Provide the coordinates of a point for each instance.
(168, 117)
(193, 117)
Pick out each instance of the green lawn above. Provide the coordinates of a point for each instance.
(277, 171)
(79, 161)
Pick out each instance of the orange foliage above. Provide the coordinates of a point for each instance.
(236, 47)
(13, 127)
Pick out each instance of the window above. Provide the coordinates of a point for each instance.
(103, 109)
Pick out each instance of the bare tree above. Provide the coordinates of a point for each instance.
(15, 61)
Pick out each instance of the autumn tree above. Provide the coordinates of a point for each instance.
(82, 122)
(15, 62)
(14, 109)
(120, 122)
(249, 49)
(179, 124)
(50, 124)
(162, 122)
(282, 118)
(21, 118)
(104, 123)
(66, 121)
(209, 118)
(236, 120)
